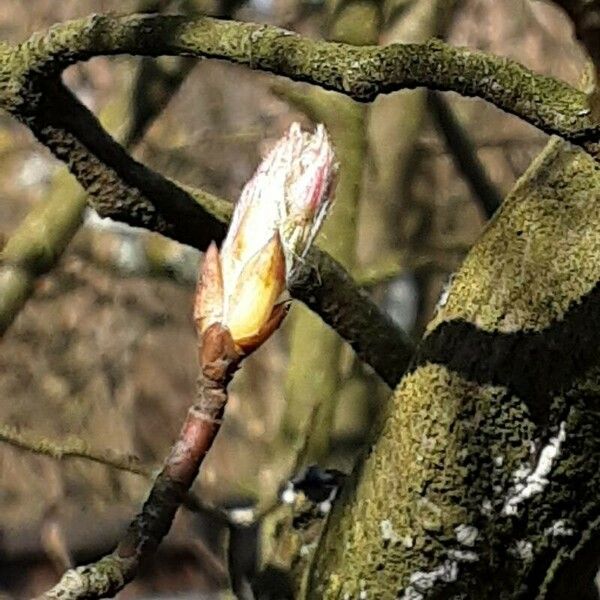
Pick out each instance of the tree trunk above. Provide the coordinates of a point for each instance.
(483, 481)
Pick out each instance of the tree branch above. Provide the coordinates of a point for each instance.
(202, 423)
(123, 189)
(359, 72)
(325, 287)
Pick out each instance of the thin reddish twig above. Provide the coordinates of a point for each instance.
(112, 572)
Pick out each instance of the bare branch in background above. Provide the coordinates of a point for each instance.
(464, 154)
(36, 245)
(72, 448)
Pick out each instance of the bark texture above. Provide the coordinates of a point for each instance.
(483, 480)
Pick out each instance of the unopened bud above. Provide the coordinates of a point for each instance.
(274, 223)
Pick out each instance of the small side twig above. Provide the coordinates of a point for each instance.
(72, 447)
(77, 448)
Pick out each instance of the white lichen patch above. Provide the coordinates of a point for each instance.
(242, 516)
(486, 507)
(528, 482)
(308, 549)
(559, 529)
(466, 534)
(445, 294)
(420, 582)
(463, 555)
(288, 496)
(387, 531)
(522, 549)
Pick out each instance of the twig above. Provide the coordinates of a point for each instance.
(77, 448)
(202, 423)
(235, 311)
(72, 447)
(464, 154)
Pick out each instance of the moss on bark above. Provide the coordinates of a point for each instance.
(471, 490)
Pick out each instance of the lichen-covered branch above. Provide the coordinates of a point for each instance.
(483, 482)
(359, 72)
(118, 186)
(125, 190)
(71, 448)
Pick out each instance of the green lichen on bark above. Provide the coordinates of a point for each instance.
(109, 573)
(360, 72)
(538, 252)
(471, 490)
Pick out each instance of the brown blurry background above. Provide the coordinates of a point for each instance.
(105, 350)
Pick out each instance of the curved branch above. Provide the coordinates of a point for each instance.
(359, 72)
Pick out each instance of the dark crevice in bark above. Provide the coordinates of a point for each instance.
(531, 364)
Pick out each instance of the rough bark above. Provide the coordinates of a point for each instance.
(483, 481)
